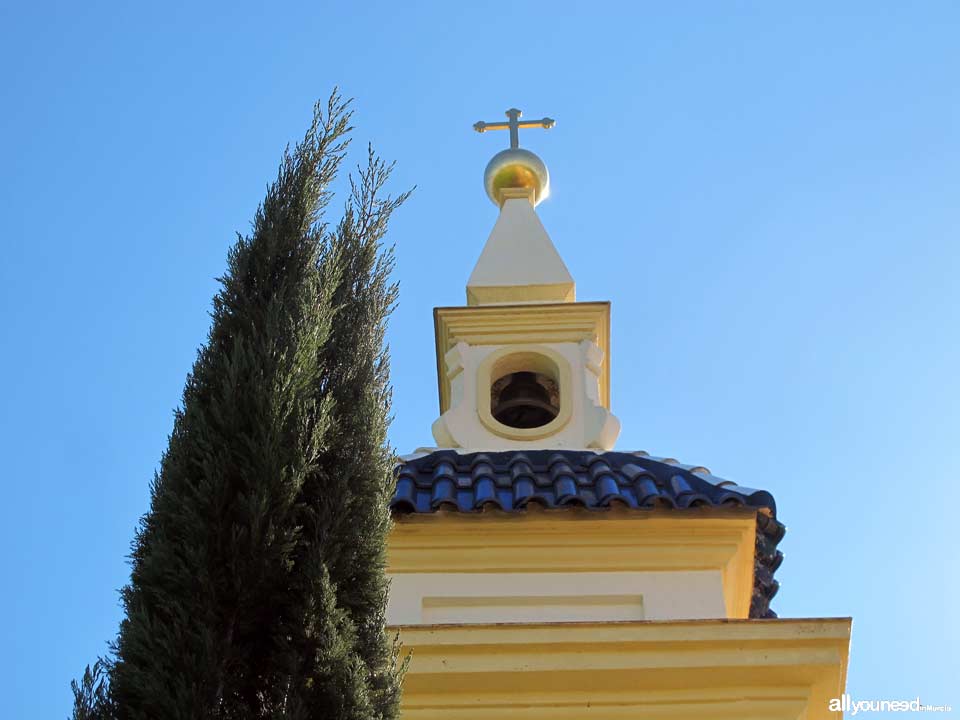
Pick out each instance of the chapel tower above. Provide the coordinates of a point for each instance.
(538, 573)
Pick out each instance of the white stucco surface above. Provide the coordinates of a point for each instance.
(519, 253)
(427, 598)
(585, 423)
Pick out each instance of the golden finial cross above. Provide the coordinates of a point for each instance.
(514, 124)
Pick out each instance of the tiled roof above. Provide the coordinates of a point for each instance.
(511, 480)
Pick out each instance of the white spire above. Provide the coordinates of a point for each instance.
(525, 365)
(519, 263)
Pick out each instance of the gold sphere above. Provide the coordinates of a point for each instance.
(516, 168)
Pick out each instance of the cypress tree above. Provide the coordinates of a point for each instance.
(257, 587)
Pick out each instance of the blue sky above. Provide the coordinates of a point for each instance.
(767, 194)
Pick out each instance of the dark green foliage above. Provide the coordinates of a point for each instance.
(257, 588)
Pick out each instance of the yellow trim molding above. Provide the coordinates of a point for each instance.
(677, 670)
(504, 294)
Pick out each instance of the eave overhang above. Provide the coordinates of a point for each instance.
(717, 669)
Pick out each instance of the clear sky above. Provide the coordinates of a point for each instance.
(767, 193)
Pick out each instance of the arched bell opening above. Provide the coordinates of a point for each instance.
(525, 393)
(524, 400)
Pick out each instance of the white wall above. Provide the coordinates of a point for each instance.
(438, 598)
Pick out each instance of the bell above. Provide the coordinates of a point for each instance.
(524, 403)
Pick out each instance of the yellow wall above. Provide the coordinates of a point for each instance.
(572, 614)
(681, 564)
(694, 670)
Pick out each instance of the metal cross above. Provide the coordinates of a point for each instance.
(514, 124)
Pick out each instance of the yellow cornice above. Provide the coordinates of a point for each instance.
(507, 294)
(580, 541)
(526, 323)
(743, 669)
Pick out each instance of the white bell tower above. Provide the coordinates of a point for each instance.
(523, 364)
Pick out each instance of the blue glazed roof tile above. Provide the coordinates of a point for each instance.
(511, 480)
